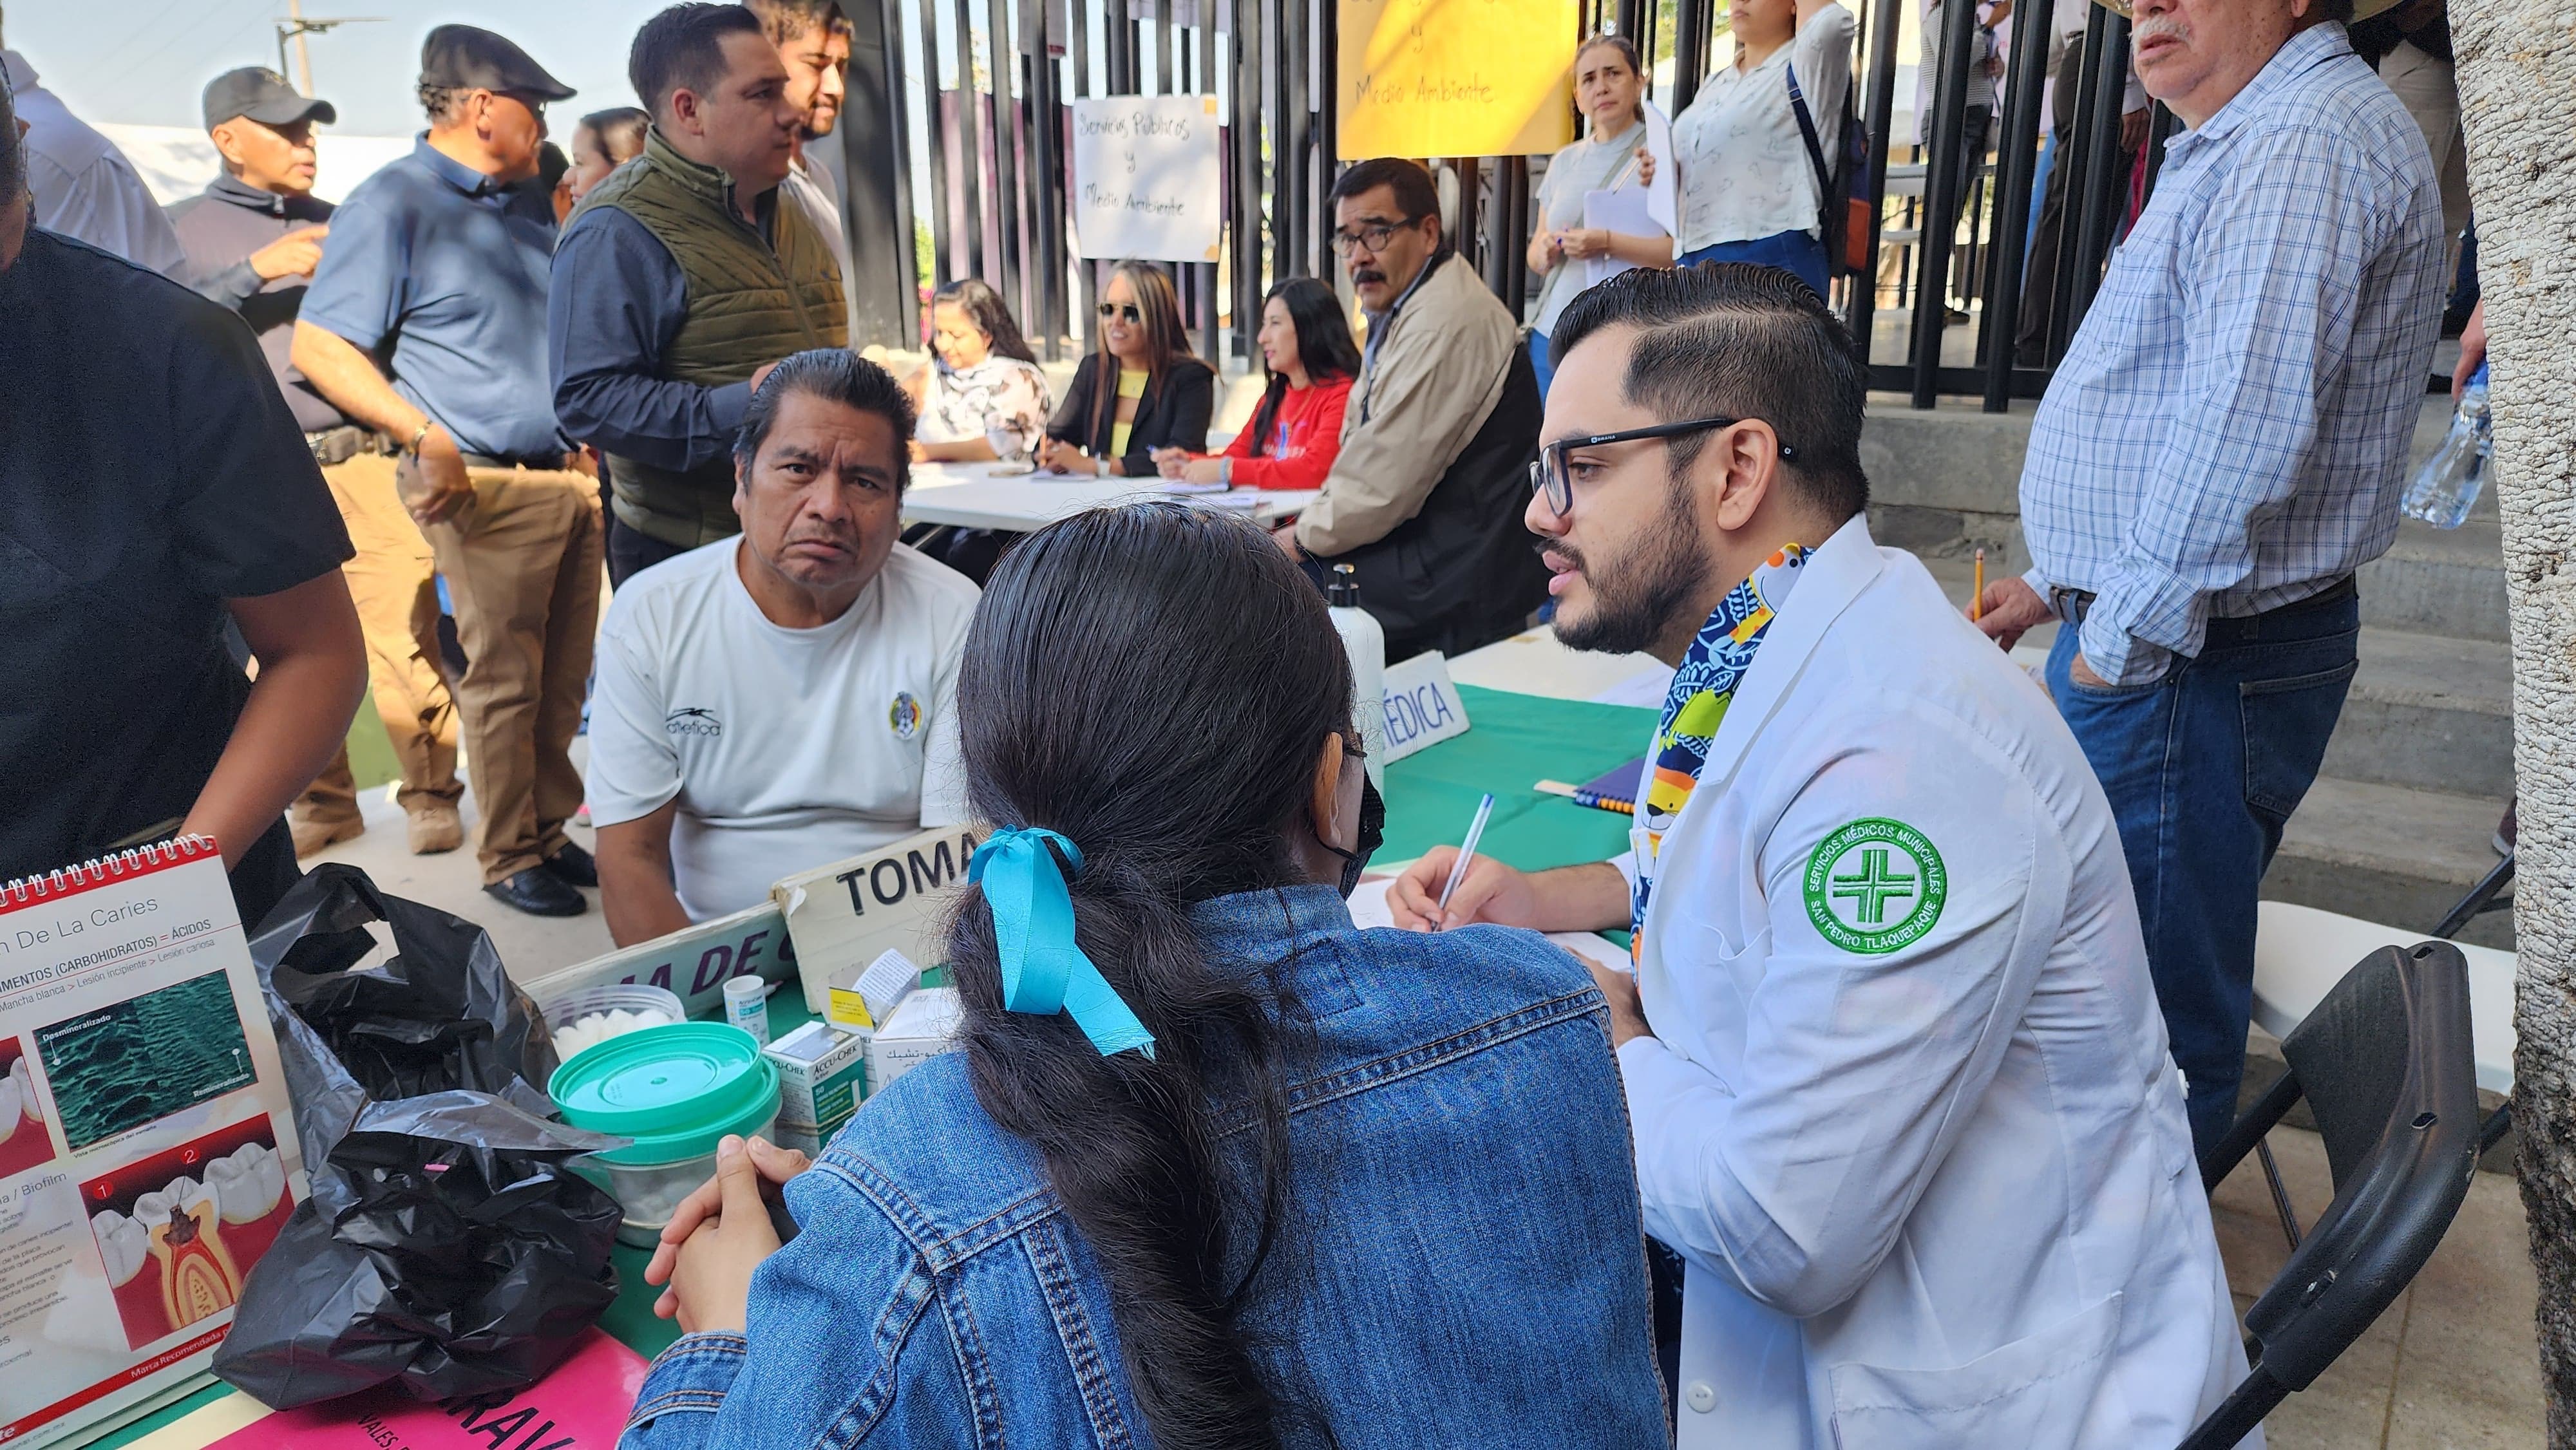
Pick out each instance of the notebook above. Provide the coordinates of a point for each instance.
(1619, 783)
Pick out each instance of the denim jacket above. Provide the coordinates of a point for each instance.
(1466, 1268)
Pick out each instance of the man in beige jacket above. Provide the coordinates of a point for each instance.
(1425, 500)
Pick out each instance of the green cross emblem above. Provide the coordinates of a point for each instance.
(1873, 885)
(1862, 870)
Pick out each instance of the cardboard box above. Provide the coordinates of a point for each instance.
(842, 917)
(919, 1030)
(822, 1075)
(862, 997)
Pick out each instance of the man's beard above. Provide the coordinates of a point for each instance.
(1633, 605)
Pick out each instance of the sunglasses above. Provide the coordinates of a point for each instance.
(1547, 472)
(1113, 309)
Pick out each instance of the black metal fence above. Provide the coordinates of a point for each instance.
(958, 131)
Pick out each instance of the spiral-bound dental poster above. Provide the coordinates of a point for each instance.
(147, 1157)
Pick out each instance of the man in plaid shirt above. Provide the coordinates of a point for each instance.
(2222, 448)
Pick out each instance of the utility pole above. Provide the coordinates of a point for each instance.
(293, 26)
(303, 50)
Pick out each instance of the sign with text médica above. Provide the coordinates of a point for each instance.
(1422, 704)
(1145, 178)
(1456, 77)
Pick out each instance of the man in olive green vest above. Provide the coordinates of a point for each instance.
(682, 278)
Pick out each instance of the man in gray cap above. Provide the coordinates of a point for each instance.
(253, 238)
(438, 263)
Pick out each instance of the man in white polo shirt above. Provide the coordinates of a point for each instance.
(776, 701)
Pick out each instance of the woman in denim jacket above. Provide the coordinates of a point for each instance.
(1211, 1168)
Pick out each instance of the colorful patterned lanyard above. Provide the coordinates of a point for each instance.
(1696, 704)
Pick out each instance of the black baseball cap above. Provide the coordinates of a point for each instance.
(462, 58)
(264, 96)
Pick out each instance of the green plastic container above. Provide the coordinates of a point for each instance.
(676, 1091)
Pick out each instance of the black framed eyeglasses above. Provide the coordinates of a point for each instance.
(1112, 309)
(1547, 471)
(1374, 236)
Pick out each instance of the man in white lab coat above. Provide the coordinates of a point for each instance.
(1899, 1088)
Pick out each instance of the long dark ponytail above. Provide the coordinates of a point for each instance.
(1155, 682)
(1325, 348)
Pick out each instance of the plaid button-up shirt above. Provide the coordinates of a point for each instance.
(2228, 432)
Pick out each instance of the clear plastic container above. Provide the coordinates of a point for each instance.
(675, 1092)
(648, 1194)
(574, 1009)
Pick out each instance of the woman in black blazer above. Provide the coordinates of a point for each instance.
(1156, 395)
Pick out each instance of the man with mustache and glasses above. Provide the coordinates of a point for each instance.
(1423, 501)
(788, 697)
(1907, 1134)
(2223, 447)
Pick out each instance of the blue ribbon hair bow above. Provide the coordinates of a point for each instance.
(1043, 971)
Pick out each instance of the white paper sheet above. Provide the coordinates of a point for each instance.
(1369, 908)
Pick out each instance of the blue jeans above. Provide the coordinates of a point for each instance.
(2203, 768)
(1793, 252)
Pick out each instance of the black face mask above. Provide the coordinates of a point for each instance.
(1372, 836)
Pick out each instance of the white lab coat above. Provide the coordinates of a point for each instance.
(1937, 1192)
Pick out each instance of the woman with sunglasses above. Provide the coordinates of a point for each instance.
(1211, 1167)
(1296, 433)
(1141, 391)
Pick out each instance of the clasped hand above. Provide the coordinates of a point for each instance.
(720, 1235)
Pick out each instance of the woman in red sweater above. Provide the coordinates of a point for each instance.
(1296, 433)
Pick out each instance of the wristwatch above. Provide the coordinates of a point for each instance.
(1225, 471)
(413, 447)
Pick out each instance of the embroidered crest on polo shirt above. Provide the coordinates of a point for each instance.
(1875, 886)
(904, 715)
(694, 720)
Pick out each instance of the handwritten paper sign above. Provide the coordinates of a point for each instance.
(1422, 705)
(1456, 77)
(1145, 178)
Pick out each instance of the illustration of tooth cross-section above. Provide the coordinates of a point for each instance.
(177, 1253)
(24, 1143)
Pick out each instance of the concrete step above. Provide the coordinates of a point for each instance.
(2429, 712)
(2390, 854)
(1945, 481)
(2439, 581)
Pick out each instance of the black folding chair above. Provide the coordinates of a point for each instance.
(2386, 1065)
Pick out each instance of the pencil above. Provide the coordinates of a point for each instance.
(1977, 600)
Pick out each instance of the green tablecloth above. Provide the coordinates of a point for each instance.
(1515, 741)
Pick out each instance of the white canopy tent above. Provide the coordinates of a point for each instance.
(175, 161)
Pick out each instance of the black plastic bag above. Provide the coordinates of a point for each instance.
(443, 1247)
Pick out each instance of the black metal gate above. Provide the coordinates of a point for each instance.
(959, 124)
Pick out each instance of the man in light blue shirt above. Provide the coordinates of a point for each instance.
(439, 265)
(2222, 448)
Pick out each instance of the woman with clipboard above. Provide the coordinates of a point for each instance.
(1575, 228)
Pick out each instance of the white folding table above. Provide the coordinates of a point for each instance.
(1032, 501)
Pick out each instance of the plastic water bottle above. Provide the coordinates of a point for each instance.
(2448, 483)
(1365, 639)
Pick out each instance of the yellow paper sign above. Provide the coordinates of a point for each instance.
(1456, 77)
